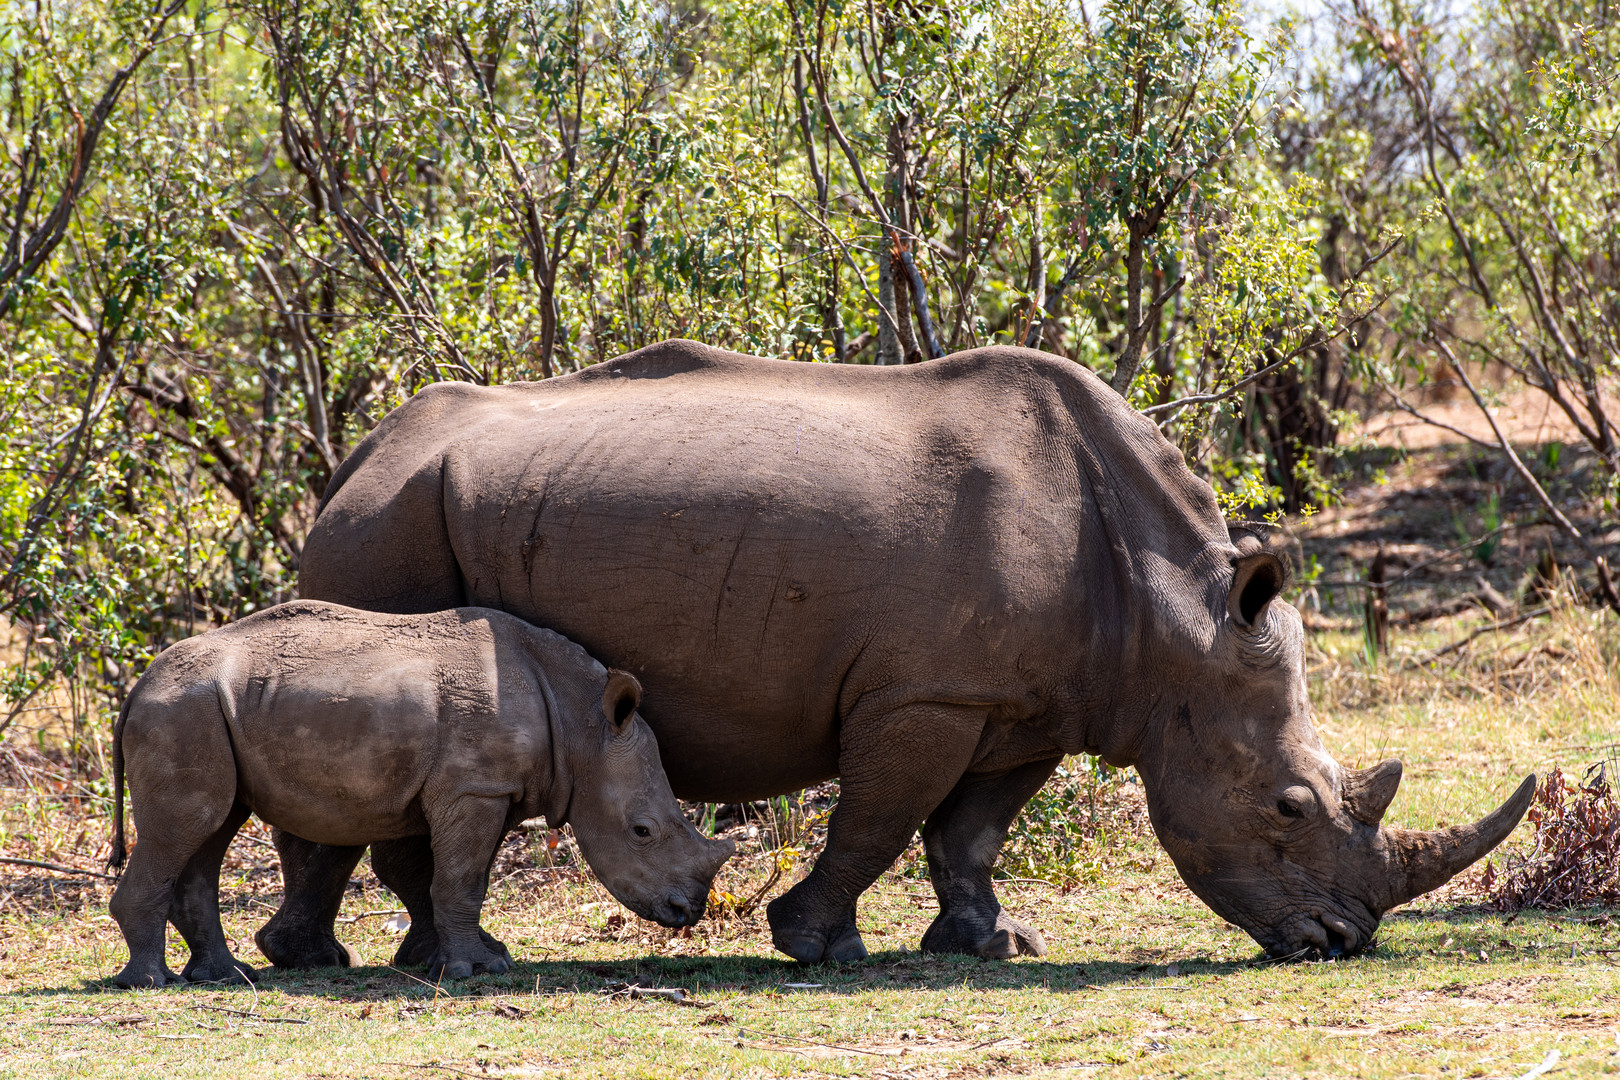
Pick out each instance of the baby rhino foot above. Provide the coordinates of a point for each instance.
(227, 969)
(141, 976)
(421, 945)
(483, 961)
(1000, 939)
(296, 946)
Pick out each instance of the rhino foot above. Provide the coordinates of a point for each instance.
(421, 945)
(845, 947)
(225, 970)
(809, 942)
(295, 946)
(487, 962)
(141, 977)
(1006, 939)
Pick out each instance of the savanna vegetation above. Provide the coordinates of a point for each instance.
(234, 235)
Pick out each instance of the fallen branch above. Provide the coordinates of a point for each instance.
(1493, 628)
(252, 1015)
(810, 1042)
(58, 869)
(371, 914)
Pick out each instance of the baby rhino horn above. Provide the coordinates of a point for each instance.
(1367, 792)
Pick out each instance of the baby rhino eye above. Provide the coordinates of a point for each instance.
(642, 831)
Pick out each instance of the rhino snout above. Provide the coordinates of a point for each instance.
(683, 908)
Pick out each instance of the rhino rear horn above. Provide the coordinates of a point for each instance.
(1420, 861)
(1367, 792)
(621, 698)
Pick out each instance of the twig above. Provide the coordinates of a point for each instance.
(1546, 1066)
(673, 994)
(370, 914)
(887, 316)
(1508, 625)
(1253, 376)
(58, 869)
(252, 1015)
(433, 1065)
(432, 986)
(810, 1042)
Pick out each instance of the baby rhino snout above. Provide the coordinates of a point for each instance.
(684, 908)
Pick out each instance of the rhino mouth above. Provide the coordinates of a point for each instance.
(679, 909)
(1321, 935)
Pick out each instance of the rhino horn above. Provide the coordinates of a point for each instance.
(1367, 792)
(1419, 861)
(719, 852)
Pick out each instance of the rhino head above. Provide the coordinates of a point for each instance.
(629, 826)
(1260, 821)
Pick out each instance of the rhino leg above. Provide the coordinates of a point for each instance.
(465, 836)
(882, 799)
(406, 868)
(175, 831)
(962, 839)
(299, 934)
(194, 909)
(140, 906)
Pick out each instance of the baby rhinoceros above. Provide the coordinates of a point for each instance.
(349, 727)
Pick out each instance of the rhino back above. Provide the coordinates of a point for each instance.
(343, 721)
(765, 542)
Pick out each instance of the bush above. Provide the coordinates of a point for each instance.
(1575, 858)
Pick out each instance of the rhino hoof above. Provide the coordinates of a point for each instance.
(422, 943)
(1008, 939)
(294, 948)
(132, 978)
(846, 947)
(230, 972)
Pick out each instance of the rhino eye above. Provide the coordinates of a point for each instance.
(642, 831)
(1288, 809)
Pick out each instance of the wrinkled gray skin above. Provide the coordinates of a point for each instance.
(350, 727)
(931, 581)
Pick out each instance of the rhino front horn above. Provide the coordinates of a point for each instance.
(1420, 861)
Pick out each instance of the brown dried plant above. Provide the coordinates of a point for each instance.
(1574, 860)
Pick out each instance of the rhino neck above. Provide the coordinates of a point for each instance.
(1146, 620)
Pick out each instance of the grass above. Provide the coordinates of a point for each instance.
(1141, 980)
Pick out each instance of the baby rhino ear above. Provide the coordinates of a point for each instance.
(620, 699)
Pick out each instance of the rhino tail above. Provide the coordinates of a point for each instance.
(115, 861)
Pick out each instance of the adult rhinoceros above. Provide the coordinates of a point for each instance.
(931, 582)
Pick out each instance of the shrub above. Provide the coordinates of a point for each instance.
(1575, 858)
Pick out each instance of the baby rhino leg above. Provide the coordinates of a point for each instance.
(195, 911)
(465, 834)
(406, 867)
(182, 784)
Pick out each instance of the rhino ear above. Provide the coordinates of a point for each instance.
(1257, 578)
(621, 698)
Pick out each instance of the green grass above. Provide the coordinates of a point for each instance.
(1451, 990)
